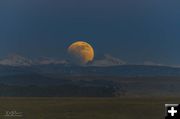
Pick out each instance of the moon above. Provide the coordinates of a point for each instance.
(81, 52)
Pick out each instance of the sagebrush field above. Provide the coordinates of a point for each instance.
(85, 108)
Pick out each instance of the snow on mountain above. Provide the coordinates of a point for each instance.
(108, 60)
(152, 63)
(16, 60)
(47, 60)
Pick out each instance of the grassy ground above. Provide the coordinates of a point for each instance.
(85, 108)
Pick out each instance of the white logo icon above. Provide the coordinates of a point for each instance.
(172, 111)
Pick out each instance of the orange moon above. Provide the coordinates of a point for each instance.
(81, 52)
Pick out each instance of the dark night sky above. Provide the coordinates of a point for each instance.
(133, 30)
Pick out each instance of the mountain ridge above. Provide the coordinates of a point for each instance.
(107, 60)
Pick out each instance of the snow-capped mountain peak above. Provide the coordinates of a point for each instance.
(108, 60)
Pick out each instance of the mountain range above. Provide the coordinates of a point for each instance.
(18, 60)
(108, 65)
(106, 61)
(20, 76)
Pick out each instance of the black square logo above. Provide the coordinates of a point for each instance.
(172, 111)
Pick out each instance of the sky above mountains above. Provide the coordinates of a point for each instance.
(132, 30)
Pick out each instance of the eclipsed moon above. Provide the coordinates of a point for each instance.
(81, 52)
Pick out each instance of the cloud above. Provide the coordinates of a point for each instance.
(108, 60)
